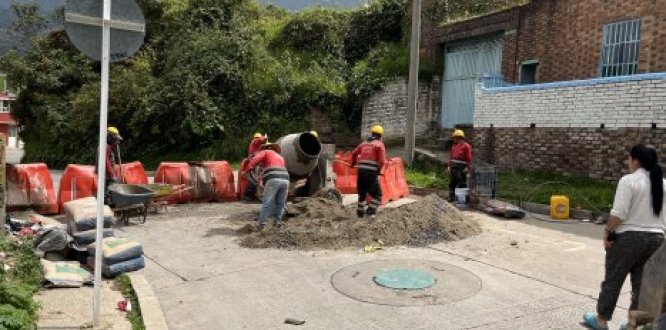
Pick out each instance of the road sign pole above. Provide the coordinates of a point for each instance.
(101, 158)
(413, 88)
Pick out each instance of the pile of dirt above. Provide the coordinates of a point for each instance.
(322, 224)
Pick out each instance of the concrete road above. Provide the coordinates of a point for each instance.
(532, 277)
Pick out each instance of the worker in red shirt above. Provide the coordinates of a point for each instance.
(113, 139)
(276, 182)
(255, 144)
(460, 162)
(370, 157)
(250, 192)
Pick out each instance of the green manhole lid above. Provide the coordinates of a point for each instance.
(406, 279)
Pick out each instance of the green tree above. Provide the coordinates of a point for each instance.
(210, 73)
(29, 22)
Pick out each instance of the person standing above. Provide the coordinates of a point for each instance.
(113, 140)
(276, 183)
(370, 157)
(460, 162)
(111, 158)
(250, 191)
(255, 144)
(633, 233)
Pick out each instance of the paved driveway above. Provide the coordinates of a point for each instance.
(532, 278)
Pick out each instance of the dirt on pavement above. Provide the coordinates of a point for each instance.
(323, 224)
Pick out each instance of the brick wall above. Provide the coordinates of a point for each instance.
(389, 109)
(592, 152)
(563, 35)
(568, 136)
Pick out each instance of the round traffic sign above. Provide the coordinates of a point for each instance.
(83, 23)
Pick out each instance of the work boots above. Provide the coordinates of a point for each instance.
(360, 211)
(371, 211)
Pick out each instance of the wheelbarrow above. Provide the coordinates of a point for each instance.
(161, 193)
(130, 201)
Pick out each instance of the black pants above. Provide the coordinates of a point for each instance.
(367, 183)
(628, 255)
(250, 192)
(458, 180)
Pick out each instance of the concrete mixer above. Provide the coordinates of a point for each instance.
(309, 164)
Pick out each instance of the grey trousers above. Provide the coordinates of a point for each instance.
(628, 255)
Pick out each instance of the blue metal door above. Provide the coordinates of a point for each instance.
(464, 64)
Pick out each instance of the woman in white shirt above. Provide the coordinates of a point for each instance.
(634, 231)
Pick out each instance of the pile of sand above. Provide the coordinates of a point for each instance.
(322, 224)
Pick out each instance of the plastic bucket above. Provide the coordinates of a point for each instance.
(462, 197)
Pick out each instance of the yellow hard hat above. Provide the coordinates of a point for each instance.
(314, 133)
(257, 135)
(377, 129)
(113, 130)
(458, 133)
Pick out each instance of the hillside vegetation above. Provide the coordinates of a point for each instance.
(210, 73)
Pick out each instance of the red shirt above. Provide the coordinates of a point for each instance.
(254, 146)
(110, 162)
(272, 163)
(461, 152)
(370, 155)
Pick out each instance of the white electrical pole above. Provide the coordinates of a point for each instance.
(413, 88)
(101, 157)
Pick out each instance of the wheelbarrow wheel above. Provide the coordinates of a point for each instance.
(332, 194)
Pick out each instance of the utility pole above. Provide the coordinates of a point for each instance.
(413, 88)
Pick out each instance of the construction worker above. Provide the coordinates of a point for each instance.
(276, 182)
(113, 139)
(370, 157)
(460, 162)
(255, 144)
(251, 190)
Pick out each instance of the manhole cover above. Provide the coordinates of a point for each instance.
(406, 279)
(406, 282)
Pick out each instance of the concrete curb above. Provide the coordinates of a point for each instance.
(151, 311)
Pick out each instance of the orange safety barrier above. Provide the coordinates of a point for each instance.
(223, 181)
(393, 181)
(175, 174)
(346, 175)
(242, 181)
(400, 178)
(132, 173)
(78, 181)
(31, 185)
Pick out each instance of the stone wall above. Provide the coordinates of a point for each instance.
(389, 109)
(331, 131)
(579, 127)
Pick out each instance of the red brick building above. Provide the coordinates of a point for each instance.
(543, 41)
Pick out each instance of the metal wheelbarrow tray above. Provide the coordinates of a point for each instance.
(131, 200)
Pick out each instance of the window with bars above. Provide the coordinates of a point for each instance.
(620, 45)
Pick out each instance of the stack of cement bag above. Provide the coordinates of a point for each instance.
(119, 255)
(81, 217)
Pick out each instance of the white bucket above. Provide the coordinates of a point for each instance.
(462, 197)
